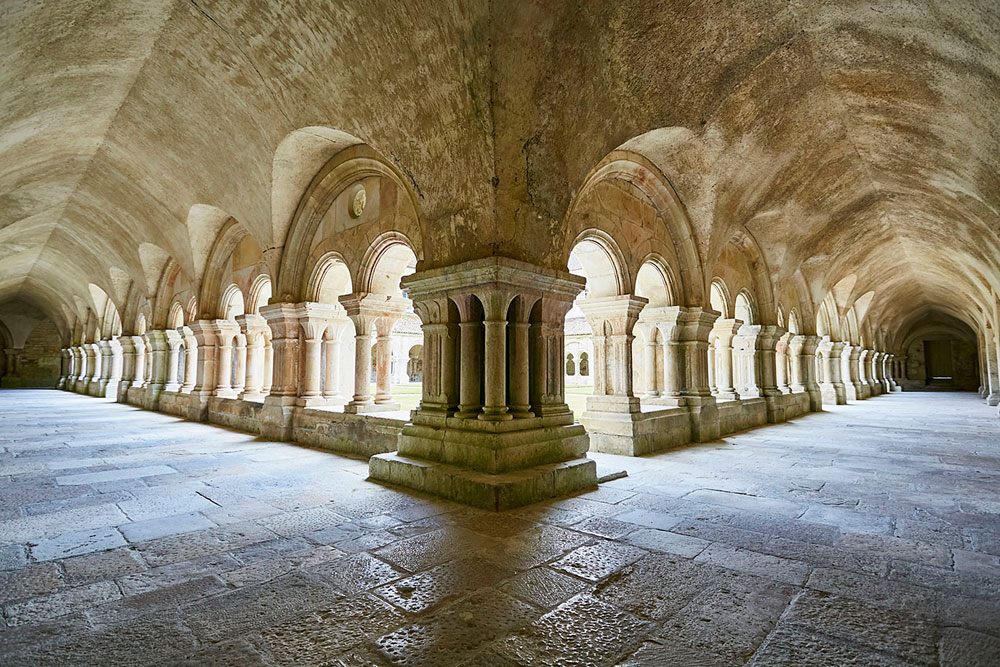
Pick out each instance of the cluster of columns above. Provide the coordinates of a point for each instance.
(989, 353)
(855, 373)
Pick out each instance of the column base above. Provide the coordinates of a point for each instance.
(497, 492)
(897, 388)
(225, 393)
(993, 400)
(775, 406)
(277, 418)
(366, 408)
(637, 433)
(703, 416)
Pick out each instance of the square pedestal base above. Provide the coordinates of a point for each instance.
(637, 433)
(486, 491)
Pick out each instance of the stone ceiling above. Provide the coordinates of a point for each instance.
(850, 138)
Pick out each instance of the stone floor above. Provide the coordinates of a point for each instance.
(867, 535)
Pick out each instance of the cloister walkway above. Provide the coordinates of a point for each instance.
(868, 534)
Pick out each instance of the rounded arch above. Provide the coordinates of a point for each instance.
(141, 324)
(347, 160)
(389, 257)
(175, 318)
(718, 297)
(260, 293)
(597, 257)
(630, 164)
(826, 319)
(654, 282)
(744, 308)
(330, 278)
(233, 304)
(793, 322)
(763, 290)
(213, 282)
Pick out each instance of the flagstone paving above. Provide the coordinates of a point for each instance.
(865, 535)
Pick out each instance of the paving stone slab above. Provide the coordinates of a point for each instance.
(594, 562)
(61, 603)
(76, 543)
(582, 630)
(773, 567)
(151, 529)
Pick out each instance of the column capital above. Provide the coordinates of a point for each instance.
(619, 312)
(725, 329)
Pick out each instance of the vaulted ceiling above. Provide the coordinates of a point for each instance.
(847, 137)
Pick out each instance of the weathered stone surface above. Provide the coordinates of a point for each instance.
(715, 584)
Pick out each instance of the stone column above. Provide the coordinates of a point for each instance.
(79, 368)
(845, 372)
(494, 461)
(277, 415)
(890, 373)
(314, 318)
(694, 326)
(254, 329)
(612, 320)
(613, 409)
(331, 390)
(228, 332)
(520, 357)
(547, 349)
(883, 385)
(832, 387)
(104, 372)
(240, 359)
(471, 351)
(204, 373)
(268, 364)
(495, 363)
(157, 347)
(190, 360)
(869, 366)
(746, 370)
(646, 340)
(781, 363)
(365, 311)
(93, 374)
(172, 378)
(853, 379)
(993, 373)
(111, 368)
(439, 323)
(803, 351)
(864, 389)
(64, 366)
(767, 373)
(383, 362)
(725, 333)
(131, 352)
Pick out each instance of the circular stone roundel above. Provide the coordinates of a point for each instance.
(358, 201)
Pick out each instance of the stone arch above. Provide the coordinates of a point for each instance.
(718, 297)
(632, 166)
(601, 262)
(654, 282)
(793, 322)
(827, 322)
(763, 290)
(175, 318)
(260, 293)
(233, 304)
(330, 278)
(389, 257)
(214, 281)
(745, 308)
(347, 161)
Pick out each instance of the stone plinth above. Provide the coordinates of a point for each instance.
(493, 429)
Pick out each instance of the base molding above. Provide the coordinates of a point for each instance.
(501, 491)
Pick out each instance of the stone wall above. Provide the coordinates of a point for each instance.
(965, 365)
(37, 362)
